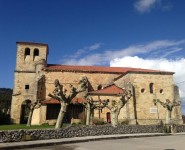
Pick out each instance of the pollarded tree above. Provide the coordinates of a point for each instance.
(35, 104)
(168, 105)
(32, 107)
(60, 94)
(115, 106)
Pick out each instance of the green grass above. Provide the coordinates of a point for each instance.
(23, 126)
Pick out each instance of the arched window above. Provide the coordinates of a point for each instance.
(151, 86)
(36, 52)
(27, 51)
(25, 109)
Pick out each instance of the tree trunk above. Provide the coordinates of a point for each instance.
(168, 116)
(114, 118)
(88, 109)
(30, 117)
(168, 119)
(61, 114)
(91, 116)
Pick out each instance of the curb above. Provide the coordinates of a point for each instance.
(50, 142)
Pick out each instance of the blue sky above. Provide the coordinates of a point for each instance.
(123, 33)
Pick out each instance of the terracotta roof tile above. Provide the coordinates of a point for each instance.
(78, 100)
(54, 101)
(109, 90)
(50, 101)
(103, 69)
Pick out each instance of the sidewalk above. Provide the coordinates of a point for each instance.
(29, 144)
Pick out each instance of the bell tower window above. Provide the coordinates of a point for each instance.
(36, 52)
(27, 51)
(27, 54)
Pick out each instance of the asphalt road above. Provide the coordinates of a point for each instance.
(176, 142)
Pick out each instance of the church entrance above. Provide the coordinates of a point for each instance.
(25, 110)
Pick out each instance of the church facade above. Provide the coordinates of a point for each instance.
(34, 80)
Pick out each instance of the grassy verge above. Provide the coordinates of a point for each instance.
(23, 126)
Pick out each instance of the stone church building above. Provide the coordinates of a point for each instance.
(34, 80)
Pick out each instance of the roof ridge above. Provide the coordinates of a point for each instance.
(120, 70)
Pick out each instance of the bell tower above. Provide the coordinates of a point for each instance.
(31, 59)
(28, 54)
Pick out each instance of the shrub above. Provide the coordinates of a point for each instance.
(76, 121)
(124, 122)
(98, 121)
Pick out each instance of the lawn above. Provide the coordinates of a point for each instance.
(23, 126)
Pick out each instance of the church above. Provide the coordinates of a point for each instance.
(34, 79)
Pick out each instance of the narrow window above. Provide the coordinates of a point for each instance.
(27, 86)
(27, 51)
(36, 52)
(151, 86)
(161, 91)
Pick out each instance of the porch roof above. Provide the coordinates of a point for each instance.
(109, 90)
(54, 101)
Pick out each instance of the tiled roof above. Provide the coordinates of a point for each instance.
(102, 69)
(50, 101)
(78, 100)
(109, 90)
(54, 101)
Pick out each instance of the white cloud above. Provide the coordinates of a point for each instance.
(157, 64)
(87, 49)
(158, 48)
(144, 6)
(94, 46)
(174, 50)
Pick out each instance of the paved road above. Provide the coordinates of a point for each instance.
(176, 142)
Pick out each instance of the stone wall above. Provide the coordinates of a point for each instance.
(179, 128)
(163, 88)
(76, 131)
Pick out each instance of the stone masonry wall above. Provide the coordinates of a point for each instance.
(76, 131)
(163, 88)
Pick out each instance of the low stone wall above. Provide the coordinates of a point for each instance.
(76, 131)
(178, 128)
